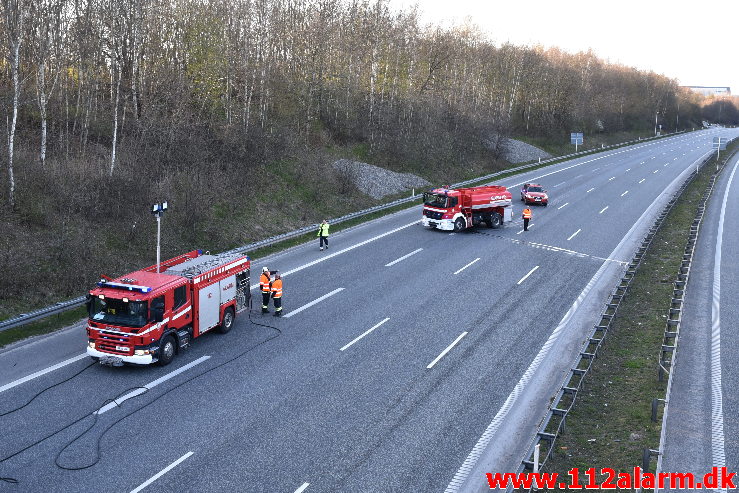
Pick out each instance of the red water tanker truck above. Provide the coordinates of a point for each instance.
(462, 208)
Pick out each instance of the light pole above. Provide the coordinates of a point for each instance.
(158, 211)
(655, 123)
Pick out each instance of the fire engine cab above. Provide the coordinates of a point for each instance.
(149, 315)
(458, 209)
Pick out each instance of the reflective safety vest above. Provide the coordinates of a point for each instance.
(322, 229)
(264, 282)
(527, 213)
(277, 288)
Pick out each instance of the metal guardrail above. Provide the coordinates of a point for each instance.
(564, 400)
(26, 318)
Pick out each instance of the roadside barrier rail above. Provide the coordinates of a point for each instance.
(26, 318)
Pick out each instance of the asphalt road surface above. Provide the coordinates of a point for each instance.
(407, 359)
(703, 410)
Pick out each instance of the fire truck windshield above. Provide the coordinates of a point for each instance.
(433, 200)
(117, 312)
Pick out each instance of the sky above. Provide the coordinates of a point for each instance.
(693, 42)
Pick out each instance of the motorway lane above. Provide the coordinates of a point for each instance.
(694, 442)
(405, 363)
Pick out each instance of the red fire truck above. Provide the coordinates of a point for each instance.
(450, 209)
(149, 315)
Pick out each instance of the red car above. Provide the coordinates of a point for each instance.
(533, 193)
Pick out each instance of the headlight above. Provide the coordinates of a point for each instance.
(141, 352)
(91, 344)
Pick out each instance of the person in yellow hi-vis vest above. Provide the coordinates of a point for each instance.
(323, 234)
(277, 294)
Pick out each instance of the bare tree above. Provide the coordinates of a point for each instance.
(15, 14)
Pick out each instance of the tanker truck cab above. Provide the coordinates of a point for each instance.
(458, 209)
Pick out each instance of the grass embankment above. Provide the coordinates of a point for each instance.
(610, 424)
(57, 322)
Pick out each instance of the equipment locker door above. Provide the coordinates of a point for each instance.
(209, 301)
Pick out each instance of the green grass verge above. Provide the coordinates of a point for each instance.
(610, 424)
(44, 326)
(57, 322)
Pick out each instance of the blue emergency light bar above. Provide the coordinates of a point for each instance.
(127, 287)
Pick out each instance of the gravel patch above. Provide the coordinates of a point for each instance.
(378, 182)
(515, 151)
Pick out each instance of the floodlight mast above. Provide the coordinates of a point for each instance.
(158, 211)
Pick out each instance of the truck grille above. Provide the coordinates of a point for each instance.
(112, 343)
(432, 214)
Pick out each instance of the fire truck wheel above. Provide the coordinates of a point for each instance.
(459, 224)
(228, 321)
(495, 220)
(167, 350)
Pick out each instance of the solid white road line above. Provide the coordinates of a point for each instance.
(339, 252)
(302, 488)
(574, 234)
(25, 379)
(308, 305)
(449, 348)
(162, 472)
(527, 275)
(403, 257)
(563, 205)
(718, 452)
(624, 193)
(365, 333)
(603, 210)
(642, 180)
(463, 268)
(588, 191)
(151, 385)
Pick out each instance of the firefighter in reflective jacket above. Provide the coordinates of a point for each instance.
(265, 287)
(277, 294)
(526, 218)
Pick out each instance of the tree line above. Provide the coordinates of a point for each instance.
(113, 103)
